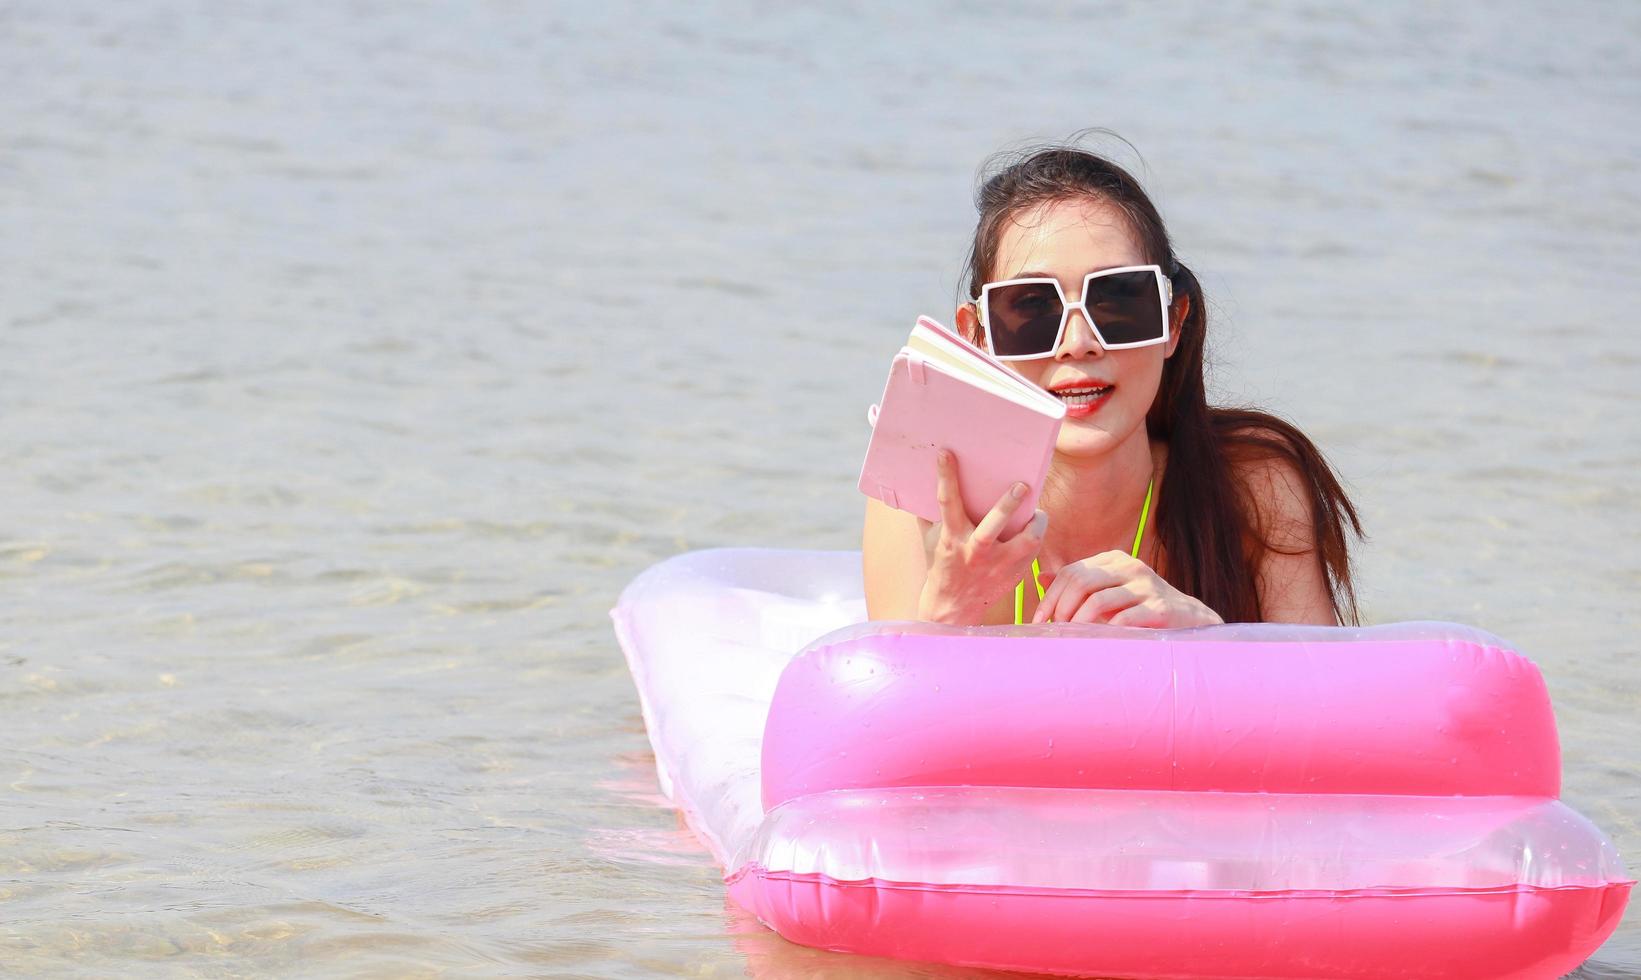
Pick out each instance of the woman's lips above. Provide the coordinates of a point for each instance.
(1083, 400)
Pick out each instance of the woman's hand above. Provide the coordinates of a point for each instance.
(970, 566)
(1115, 588)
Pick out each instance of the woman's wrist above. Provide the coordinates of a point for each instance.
(1206, 615)
(933, 607)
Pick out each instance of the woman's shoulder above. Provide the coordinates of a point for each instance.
(1272, 463)
(1270, 504)
(1297, 514)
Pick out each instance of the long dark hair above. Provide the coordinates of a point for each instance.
(1210, 531)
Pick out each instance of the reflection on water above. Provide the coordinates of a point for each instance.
(355, 356)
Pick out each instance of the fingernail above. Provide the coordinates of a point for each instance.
(945, 455)
(1017, 491)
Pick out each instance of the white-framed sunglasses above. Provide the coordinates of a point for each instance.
(1126, 307)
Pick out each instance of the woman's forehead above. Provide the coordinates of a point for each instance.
(1070, 236)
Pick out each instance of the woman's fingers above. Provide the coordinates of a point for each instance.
(1071, 586)
(947, 494)
(1139, 614)
(1051, 595)
(1037, 528)
(1116, 588)
(991, 526)
(1103, 605)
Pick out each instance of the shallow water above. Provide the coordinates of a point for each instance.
(352, 358)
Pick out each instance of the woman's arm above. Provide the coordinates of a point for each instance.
(893, 560)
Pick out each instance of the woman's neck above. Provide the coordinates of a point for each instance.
(1095, 502)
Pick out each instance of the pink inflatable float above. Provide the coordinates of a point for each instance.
(1234, 802)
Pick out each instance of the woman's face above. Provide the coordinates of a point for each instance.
(1066, 240)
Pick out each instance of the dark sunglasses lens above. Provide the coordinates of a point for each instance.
(1126, 306)
(1025, 318)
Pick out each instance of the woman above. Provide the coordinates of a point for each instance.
(1158, 510)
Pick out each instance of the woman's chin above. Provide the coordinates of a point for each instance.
(1084, 441)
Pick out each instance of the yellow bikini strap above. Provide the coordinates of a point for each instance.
(1020, 593)
(1145, 511)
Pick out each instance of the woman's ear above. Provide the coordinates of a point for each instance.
(1179, 312)
(968, 325)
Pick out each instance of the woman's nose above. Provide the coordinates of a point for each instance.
(1079, 339)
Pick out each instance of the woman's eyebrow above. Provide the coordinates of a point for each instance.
(1036, 274)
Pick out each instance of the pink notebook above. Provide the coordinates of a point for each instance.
(944, 392)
